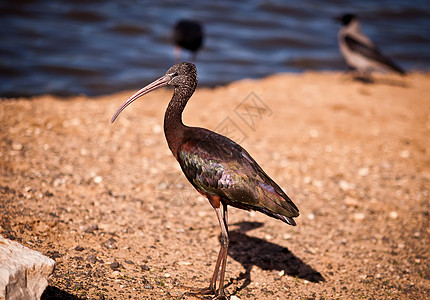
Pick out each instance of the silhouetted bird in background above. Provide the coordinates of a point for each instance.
(217, 167)
(359, 51)
(187, 34)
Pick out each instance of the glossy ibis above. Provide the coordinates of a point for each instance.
(359, 51)
(217, 167)
(187, 34)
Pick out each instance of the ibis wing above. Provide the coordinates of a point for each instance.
(217, 166)
(214, 170)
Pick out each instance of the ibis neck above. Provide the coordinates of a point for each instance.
(174, 128)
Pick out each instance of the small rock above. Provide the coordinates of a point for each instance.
(55, 254)
(318, 183)
(281, 273)
(233, 297)
(313, 133)
(157, 129)
(92, 258)
(167, 275)
(202, 213)
(148, 286)
(98, 179)
(49, 194)
(349, 201)
(393, 215)
(287, 236)
(17, 146)
(184, 263)
(130, 262)
(359, 216)
(115, 265)
(404, 154)
(79, 248)
(307, 180)
(162, 186)
(344, 185)
(91, 228)
(312, 250)
(110, 244)
(129, 230)
(59, 181)
(311, 216)
(75, 122)
(364, 171)
(144, 267)
(385, 165)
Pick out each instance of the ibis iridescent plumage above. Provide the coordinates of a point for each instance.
(216, 166)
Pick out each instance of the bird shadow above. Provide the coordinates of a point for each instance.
(252, 251)
(54, 293)
(380, 81)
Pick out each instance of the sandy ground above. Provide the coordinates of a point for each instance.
(110, 205)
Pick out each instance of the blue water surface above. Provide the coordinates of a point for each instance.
(98, 47)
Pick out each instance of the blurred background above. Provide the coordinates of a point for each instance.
(96, 47)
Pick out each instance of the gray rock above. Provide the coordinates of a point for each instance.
(23, 272)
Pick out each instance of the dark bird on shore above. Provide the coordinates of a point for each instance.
(217, 167)
(360, 53)
(187, 34)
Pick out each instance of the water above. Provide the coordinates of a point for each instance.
(99, 46)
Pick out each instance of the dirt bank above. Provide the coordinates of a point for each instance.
(110, 205)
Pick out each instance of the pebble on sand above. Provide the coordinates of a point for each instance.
(363, 171)
(359, 216)
(350, 201)
(17, 146)
(393, 215)
(98, 179)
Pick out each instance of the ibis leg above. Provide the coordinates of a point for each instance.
(222, 255)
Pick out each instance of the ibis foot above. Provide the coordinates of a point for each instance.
(206, 292)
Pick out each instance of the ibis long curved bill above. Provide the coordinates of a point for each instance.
(160, 82)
